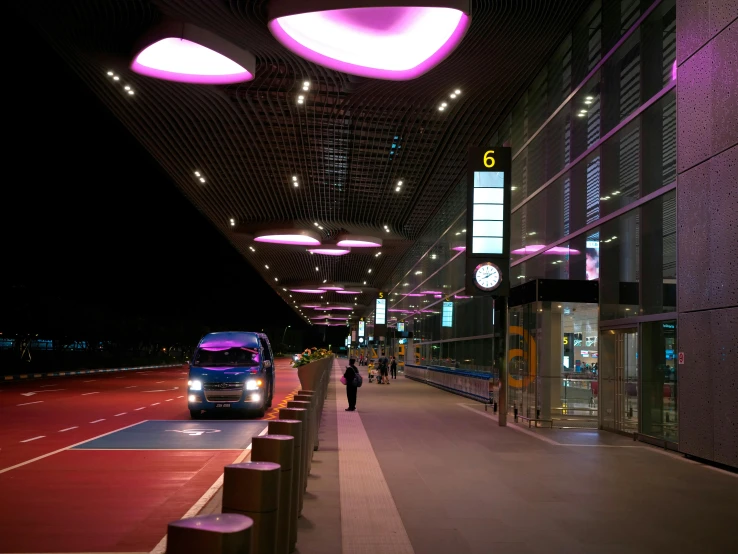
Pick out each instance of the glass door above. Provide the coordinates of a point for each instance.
(619, 380)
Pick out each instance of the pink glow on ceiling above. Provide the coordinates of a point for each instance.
(359, 243)
(397, 310)
(396, 43)
(413, 294)
(178, 59)
(284, 238)
(308, 291)
(437, 296)
(332, 287)
(329, 251)
(459, 248)
(339, 318)
(329, 308)
(431, 291)
(460, 297)
(348, 291)
(533, 248)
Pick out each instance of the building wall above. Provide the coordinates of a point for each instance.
(707, 208)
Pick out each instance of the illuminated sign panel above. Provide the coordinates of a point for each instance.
(487, 249)
(488, 212)
(447, 315)
(380, 313)
(361, 328)
(401, 327)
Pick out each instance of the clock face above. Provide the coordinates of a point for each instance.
(487, 276)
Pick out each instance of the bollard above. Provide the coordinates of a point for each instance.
(252, 489)
(214, 534)
(301, 415)
(307, 453)
(313, 430)
(292, 428)
(280, 450)
(318, 408)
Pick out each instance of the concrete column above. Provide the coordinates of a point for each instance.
(707, 204)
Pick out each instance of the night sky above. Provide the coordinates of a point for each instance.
(95, 235)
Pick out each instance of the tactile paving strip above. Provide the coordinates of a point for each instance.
(370, 522)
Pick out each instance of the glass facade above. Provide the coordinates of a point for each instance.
(593, 199)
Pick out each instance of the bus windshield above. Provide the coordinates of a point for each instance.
(237, 356)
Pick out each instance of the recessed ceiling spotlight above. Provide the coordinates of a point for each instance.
(452, 95)
(252, 248)
(301, 97)
(457, 92)
(197, 173)
(317, 269)
(233, 222)
(316, 223)
(266, 266)
(441, 108)
(397, 189)
(444, 104)
(295, 184)
(365, 282)
(276, 279)
(110, 73)
(130, 92)
(127, 87)
(189, 54)
(116, 78)
(202, 179)
(409, 41)
(369, 270)
(320, 227)
(399, 183)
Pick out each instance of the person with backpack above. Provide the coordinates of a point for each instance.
(383, 363)
(352, 379)
(393, 368)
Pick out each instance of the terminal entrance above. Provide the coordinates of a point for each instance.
(619, 380)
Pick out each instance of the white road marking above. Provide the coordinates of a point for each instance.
(137, 409)
(69, 429)
(131, 387)
(155, 403)
(120, 414)
(158, 382)
(98, 420)
(29, 403)
(38, 392)
(37, 458)
(161, 547)
(181, 396)
(34, 438)
(160, 390)
(169, 399)
(88, 393)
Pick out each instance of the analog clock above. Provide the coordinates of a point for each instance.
(487, 276)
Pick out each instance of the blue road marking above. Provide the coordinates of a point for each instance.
(180, 435)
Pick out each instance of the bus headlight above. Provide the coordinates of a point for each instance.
(195, 385)
(253, 384)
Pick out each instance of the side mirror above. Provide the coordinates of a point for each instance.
(267, 364)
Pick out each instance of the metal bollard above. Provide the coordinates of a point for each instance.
(301, 415)
(313, 431)
(252, 489)
(318, 414)
(214, 534)
(292, 428)
(307, 452)
(280, 450)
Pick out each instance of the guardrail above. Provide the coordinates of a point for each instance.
(83, 372)
(472, 384)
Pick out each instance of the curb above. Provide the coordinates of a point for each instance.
(81, 372)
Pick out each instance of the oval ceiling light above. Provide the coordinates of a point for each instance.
(348, 291)
(289, 236)
(533, 248)
(380, 39)
(359, 241)
(331, 286)
(329, 250)
(308, 291)
(185, 53)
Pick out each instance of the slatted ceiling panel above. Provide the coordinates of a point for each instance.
(248, 139)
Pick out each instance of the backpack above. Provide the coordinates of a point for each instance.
(358, 379)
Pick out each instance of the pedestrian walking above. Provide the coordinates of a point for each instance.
(352, 379)
(383, 363)
(393, 368)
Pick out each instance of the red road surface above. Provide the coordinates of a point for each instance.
(99, 501)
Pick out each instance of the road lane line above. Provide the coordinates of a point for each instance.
(120, 414)
(131, 387)
(34, 438)
(158, 382)
(181, 396)
(155, 403)
(69, 429)
(141, 408)
(37, 458)
(29, 403)
(87, 393)
(169, 399)
(161, 547)
(98, 420)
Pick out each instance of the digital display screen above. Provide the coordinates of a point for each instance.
(401, 327)
(361, 328)
(447, 315)
(593, 260)
(381, 311)
(488, 211)
(402, 341)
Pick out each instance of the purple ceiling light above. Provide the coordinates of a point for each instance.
(310, 305)
(533, 248)
(185, 53)
(413, 294)
(329, 308)
(431, 291)
(459, 248)
(289, 236)
(329, 250)
(359, 241)
(461, 297)
(336, 288)
(380, 39)
(308, 291)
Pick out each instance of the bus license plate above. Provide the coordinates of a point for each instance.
(222, 405)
